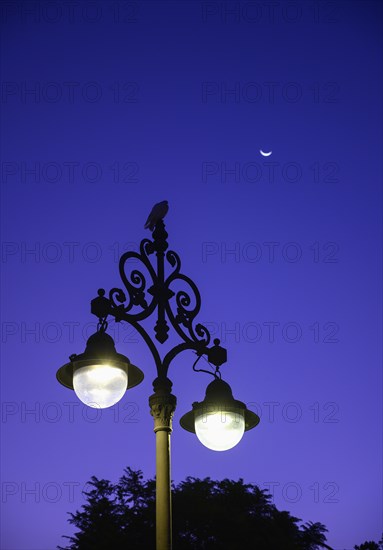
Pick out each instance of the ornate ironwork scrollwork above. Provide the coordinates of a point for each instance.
(147, 294)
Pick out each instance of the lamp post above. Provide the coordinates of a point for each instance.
(100, 376)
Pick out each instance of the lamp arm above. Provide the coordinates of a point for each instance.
(144, 299)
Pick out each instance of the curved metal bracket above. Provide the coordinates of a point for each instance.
(149, 290)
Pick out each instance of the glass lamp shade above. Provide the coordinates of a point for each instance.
(100, 386)
(219, 421)
(99, 376)
(219, 430)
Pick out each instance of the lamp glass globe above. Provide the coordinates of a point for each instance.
(219, 430)
(100, 386)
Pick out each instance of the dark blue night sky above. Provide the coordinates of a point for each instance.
(111, 106)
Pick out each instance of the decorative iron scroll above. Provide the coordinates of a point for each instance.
(145, 295)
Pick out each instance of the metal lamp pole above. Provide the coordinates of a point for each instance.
(150, 300)
(180, 308)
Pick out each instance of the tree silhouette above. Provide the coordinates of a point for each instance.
(207, 515)
(370, 545)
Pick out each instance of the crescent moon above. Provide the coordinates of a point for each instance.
(265, 154)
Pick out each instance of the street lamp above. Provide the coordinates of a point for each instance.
(100, 376)
(219, 421)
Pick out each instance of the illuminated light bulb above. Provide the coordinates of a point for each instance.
(219, 421)
(100, 386)
(219, 430)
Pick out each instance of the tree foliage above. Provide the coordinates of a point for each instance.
(370, 545)
(207, 515)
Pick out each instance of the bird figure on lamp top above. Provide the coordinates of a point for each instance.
(158, 212)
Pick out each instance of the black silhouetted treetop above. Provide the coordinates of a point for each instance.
(370, 545)
(207, 515)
